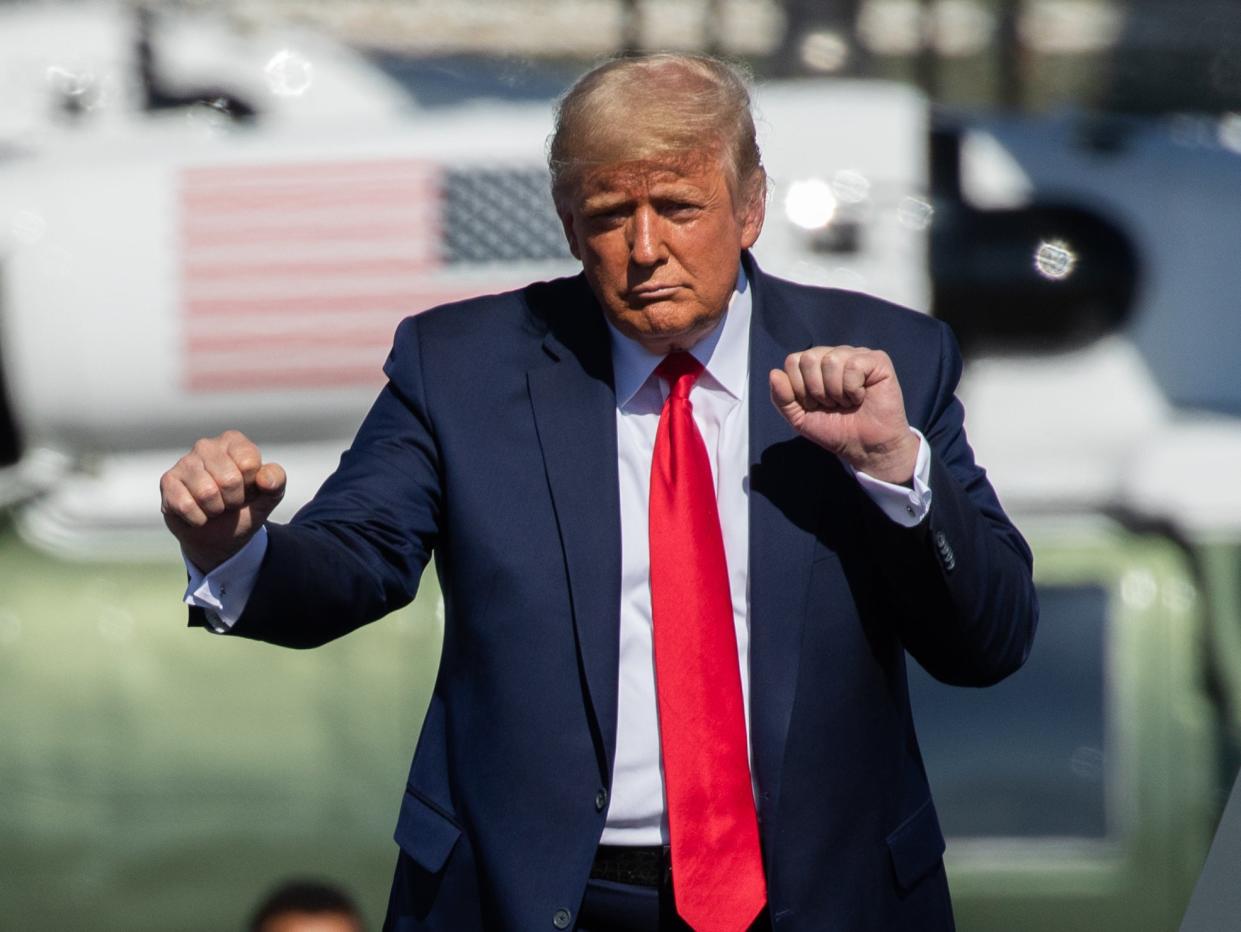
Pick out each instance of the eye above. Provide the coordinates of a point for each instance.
(680, 209)
(606, 217)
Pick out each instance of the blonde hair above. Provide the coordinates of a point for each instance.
(656, 106)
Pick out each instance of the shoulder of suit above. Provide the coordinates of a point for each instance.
(502, 316)
(865, 310)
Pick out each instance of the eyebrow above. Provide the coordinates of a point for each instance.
(658, 191)
(674, 191)
(601, 202)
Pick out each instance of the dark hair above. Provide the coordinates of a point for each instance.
(303, 896)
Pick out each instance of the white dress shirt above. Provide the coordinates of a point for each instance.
(720, 400)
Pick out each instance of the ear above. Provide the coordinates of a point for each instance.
(566, 222)
(753, 209)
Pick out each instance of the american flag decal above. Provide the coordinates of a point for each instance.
(295, 276)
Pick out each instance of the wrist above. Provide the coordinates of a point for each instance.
(894, 463)
(206, 559)
(203, 561)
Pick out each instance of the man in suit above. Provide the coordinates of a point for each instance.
(687, 519)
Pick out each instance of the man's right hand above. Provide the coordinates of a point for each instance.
(217, 496)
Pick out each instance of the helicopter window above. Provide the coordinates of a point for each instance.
(451, 80)
(1025, 758)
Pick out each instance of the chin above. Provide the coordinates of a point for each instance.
(676, 339)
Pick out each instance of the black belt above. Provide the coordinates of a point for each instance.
(643, 866)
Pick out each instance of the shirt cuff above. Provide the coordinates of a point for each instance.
(906, 506)
(223, 593)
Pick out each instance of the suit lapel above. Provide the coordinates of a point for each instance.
(785, 501)
(574, 406)
(575, 414)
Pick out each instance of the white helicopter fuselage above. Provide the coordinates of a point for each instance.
(173, 274)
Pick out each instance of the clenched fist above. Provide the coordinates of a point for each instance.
(217, 496)
(847, 399)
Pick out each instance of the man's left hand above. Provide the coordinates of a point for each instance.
(847, 399)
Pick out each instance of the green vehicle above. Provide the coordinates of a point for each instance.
(1083, 792)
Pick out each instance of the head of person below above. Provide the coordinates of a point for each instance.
(307, 906)
(529, 757)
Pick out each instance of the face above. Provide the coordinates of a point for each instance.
(660, 243)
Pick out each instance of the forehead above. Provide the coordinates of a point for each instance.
(700, 171)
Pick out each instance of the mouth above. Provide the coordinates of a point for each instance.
(651, 292)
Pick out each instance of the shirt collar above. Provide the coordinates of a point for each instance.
(724, 352)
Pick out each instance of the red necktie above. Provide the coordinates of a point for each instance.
(717, 868)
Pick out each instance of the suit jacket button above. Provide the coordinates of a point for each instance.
(561, 918)
(601, 800)
(946, 556)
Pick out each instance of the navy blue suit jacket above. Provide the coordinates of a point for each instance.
(493, 446)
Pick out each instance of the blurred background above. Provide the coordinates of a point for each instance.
(214, 214)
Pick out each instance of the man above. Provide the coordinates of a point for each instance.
(676, 611)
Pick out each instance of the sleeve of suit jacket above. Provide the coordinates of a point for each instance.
(960, 583)
(357, 551)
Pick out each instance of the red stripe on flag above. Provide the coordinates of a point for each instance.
(195, 237)
(264, 344)
(200, 272)
(301, 377)
(230, 200)
(406, 302)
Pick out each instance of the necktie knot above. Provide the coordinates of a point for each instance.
(680, 370)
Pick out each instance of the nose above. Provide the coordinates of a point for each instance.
(646, 245)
